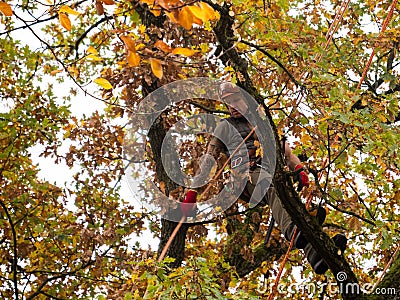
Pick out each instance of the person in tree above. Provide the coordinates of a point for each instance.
(226, 138)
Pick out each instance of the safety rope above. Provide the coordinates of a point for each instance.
(384, 25)
(386, 267)
(328, 36)
(332, 29)
(282, 265)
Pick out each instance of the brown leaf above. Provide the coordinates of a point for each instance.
(99, 8)
(163, 46)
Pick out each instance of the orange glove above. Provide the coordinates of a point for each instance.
(189, 203)
(302, 178)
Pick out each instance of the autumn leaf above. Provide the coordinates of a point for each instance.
(108, 2)
(163, 46)
(94, 57)
(92, 50)
(54, 72)
(68, 10)
(99, 8)
(133, 58)
(6, 9)
(104, 83)
(156, 67)
(203, 12)
(184, 51)
(65, 21)
(129, 42)
(173, 15)
(208, 12)
(185, 18)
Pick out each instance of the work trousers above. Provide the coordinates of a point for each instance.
(260, 188)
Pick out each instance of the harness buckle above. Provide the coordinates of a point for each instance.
(236, 162)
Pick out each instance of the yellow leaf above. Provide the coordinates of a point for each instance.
(104, 83)
(65, 21)
(156, 67)
(6, 9)
(94, 57)
(208, 12)
(129, 42)
(68, 10)
(382, 117)
(184, 51)
(163, 46)
(133, 59)
(92, 50)
(142, 29)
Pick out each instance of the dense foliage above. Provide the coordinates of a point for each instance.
(74, 240)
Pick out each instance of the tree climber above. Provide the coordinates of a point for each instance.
(227, 129)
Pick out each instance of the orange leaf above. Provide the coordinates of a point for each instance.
(197, 12)
(6, 9)
(185, 18)
(184, 51)
(156, 67)
(65, 21)
(54, 72)
(203, 12)
(163, 46)
(133, 59)
(129, 42)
